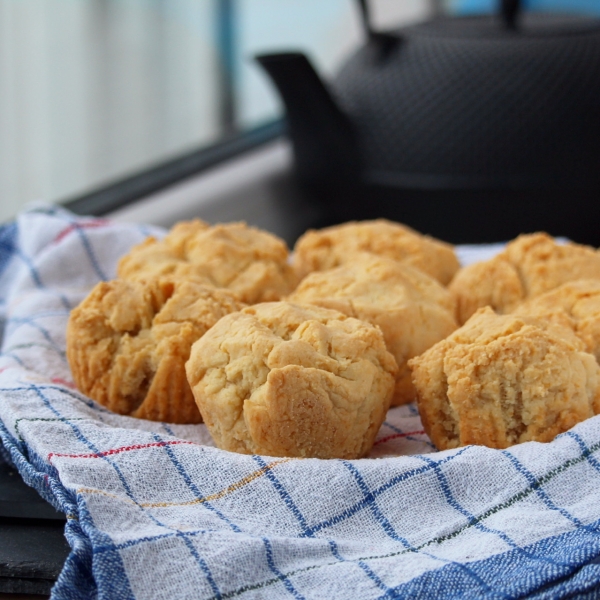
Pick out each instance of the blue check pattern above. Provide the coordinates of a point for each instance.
(156, 511)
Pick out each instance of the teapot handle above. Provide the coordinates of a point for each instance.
(365, 15)
(509, 11)
(383, 42)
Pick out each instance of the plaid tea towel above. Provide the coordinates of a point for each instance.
(156, 511)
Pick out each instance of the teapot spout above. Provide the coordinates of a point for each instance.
(325, 145)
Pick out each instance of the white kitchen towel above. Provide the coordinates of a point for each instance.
(156, 511)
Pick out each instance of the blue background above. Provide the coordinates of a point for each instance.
(470, 6)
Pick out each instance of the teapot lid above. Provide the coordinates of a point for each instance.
(468, 102)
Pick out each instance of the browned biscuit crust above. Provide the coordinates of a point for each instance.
(529, 266)
(503, 380)
(494, 283)
(128, 341)
(576, 305)
(411, 308)
(288, 380)
(251, 263)
(319, 250)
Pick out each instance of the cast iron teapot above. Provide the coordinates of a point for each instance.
(472, 129)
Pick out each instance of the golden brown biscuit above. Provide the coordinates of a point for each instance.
(288, 380)
(251, 263)
(128, 341)
(333, 246)
(576, 305)
(529, 266)
(411, 308)
(505, 379)
(493, 282)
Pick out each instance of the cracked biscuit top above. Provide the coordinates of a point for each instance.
(529, 266)
(318, 250)
(128, 341)
(505, 379)
(287, 380)
(411, 308)
(251, 263)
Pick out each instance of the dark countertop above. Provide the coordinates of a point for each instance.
(33, 547)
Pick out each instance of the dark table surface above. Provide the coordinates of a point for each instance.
(33, 547)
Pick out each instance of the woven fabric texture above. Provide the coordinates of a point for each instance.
(156, 511)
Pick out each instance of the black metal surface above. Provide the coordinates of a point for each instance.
(480, 105)
(154, 179)
(468, 130)
(509, 9)
(33, 547)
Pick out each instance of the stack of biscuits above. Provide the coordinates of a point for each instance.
(522, 367)
(301, 354)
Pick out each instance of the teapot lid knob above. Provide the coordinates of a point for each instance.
(509, 11)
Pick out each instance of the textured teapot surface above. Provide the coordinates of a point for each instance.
(468, 103)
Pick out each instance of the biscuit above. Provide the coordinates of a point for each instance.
(575, 304)
(128, 341)
(493, 282)
(411, 308)
(529, 266)
(287, 380)
(319, 250)
(251, 263)
(505, 379)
